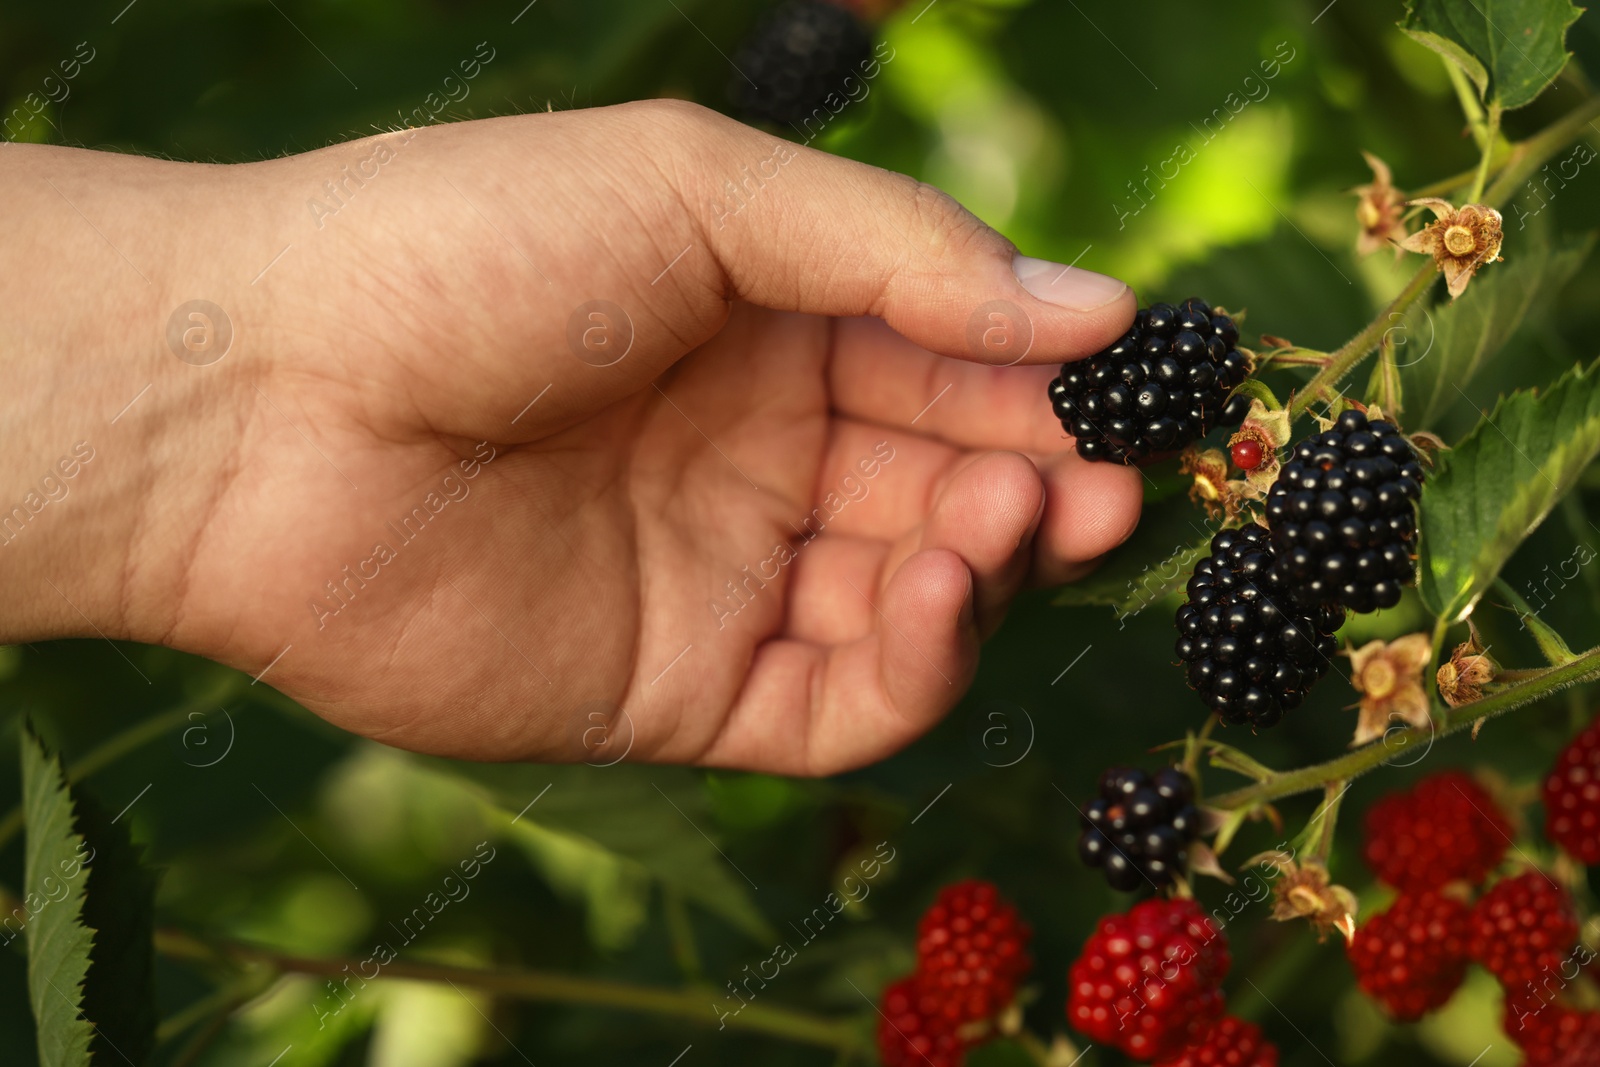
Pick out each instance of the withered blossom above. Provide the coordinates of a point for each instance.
(1379, 210)
(1388, 675)
(1459, 240)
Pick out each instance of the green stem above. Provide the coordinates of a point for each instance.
(1444, 186)
(1482, 176)
(691, 1005)
(1540, 684)
(1356, 349)
(1553, 645)
(134, 737)
(1528, 156)
(1467, 94)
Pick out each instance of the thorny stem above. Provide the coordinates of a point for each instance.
(688, 1004)
(1356, 349)
(1523, 159)
(1536, 686)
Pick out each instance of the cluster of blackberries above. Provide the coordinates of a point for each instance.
(1139, 828)
(1342, 516)
(1253, 644)
(1166, 383)
(795, 59)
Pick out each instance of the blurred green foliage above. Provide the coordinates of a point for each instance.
(1048, 119)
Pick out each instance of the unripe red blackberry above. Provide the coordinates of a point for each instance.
(1524, 931)
(1138, 830)
(1572, 798)
(913, 1030)
(1231, 1043)
(1412, 958)
(1247, 454)
(798, 56)
(972, 950)
(1445, 828)
(1343, 516)
(1149, 982)
(1553, 1035)
(1251, 645)
(1164, 384)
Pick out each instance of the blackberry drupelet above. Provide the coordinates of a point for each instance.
(1343, 517)
(1252, 645)
(1138, 830)
(1164, 385)
(795, 58)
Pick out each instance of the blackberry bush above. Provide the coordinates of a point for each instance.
(1138, 830)
(1342, 513)
(1165, 384)
(1251, 644)
(795, 58)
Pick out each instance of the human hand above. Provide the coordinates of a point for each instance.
(583, 482)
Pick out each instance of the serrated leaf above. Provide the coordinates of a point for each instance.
(119, 991)
(1441, 349)
(1510, 49)
(656, 817)
(53, 889)
(1497, 486)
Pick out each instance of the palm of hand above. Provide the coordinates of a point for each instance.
(631, 564)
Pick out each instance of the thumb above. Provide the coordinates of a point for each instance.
(796, 229)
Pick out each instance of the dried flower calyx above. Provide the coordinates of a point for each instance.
(1460, 240)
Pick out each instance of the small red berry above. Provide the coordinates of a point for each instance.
(913, 1030)
(1231, 1043)
(1572, 798)
(1413, 957)
(1523, 932)
(1149, 982)
(1445, 828)
(1247, 454)
(972, 950)
(1552, 1035)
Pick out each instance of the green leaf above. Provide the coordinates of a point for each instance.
(656, 817)
(1441, 349)
(1511, 49)
(53, 889)
(614, 891)
(1496, 487)
(119, 992)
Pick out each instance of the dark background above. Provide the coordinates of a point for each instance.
(1037, 115)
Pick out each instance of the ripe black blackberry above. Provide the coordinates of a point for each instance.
(1252, 644)
(1342, 513)
(795, 58)
(1139, 828)
(1165, 384)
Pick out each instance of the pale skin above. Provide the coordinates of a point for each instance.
(774, 349)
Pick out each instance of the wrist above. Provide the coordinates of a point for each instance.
(114, 437)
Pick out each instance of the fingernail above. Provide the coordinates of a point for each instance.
(1073, 288)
